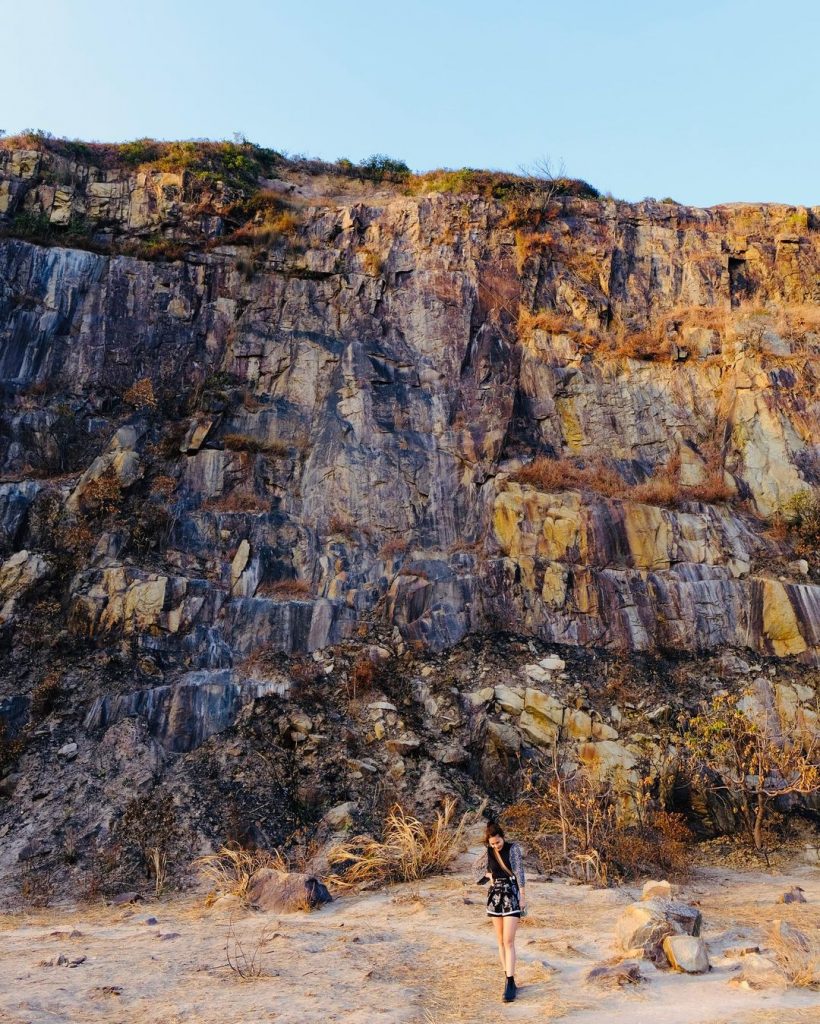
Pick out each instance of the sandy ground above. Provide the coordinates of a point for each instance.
(414, 953)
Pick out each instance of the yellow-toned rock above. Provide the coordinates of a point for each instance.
(606, 757)
(509, 700)
(780, 626)
(649, 536)
(542, 731)
(144, 603)
(554, 587)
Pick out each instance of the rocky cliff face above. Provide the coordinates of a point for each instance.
(235, 425)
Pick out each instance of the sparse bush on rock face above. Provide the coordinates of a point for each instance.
(46, 694)
(750, 759)
(802, 515)
(148, 838)
(141, 394)
(573, 822)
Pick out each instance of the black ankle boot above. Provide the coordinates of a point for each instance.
(510, 990)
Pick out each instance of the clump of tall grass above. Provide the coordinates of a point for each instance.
(797, 954)
(407, 851)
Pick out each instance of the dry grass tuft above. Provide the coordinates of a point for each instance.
(240, 499)
(529, 243)
(543, 320)
(564, 474)
(231, 869)
(664, 488)
(284, 589)
(409, 849)
(797, 954)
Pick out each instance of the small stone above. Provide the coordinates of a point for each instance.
(151, 920)
(68, 751)
(124, 898)
(479, 697)
(652, 889)
(403, 744)
(341, 816)
(799, 566)
(552, 663)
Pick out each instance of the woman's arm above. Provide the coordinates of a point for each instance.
(517, 865)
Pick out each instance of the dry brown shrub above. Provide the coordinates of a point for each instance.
(393, 547)
(798, 320)
(341, 524)
(712, 490)
(75, 538)
(10, 748)
(45, 695)
(267, 229)
(141, 394)
(102, 496)
(372, 262)
(241, 499)
(407, 851)
(498, 293)
(38, 884)
(284, 589)
(660, 844)
(563, 474)
(646, 345)
(528, 243)
(569, 818)
(363, 676)
(713, 318)
(163, 486)
(305, 671)
(542, 320)
(801, 519)
(287, 223)
(245, 443)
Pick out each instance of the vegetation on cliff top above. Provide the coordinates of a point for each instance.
(240, 164)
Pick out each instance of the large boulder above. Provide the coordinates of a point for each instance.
(646, 924)
(278, 891)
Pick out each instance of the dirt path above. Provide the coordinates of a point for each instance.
(423, 954)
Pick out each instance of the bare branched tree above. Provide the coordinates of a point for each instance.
(752, 758)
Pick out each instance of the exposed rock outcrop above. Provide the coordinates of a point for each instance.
(275, 419)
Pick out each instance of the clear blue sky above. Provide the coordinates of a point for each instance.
(706, 101)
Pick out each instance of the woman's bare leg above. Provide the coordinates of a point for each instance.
(510, 926)
(498, 925)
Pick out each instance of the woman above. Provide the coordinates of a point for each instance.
(503, 867)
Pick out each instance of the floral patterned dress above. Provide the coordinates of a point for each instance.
(503, 897)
